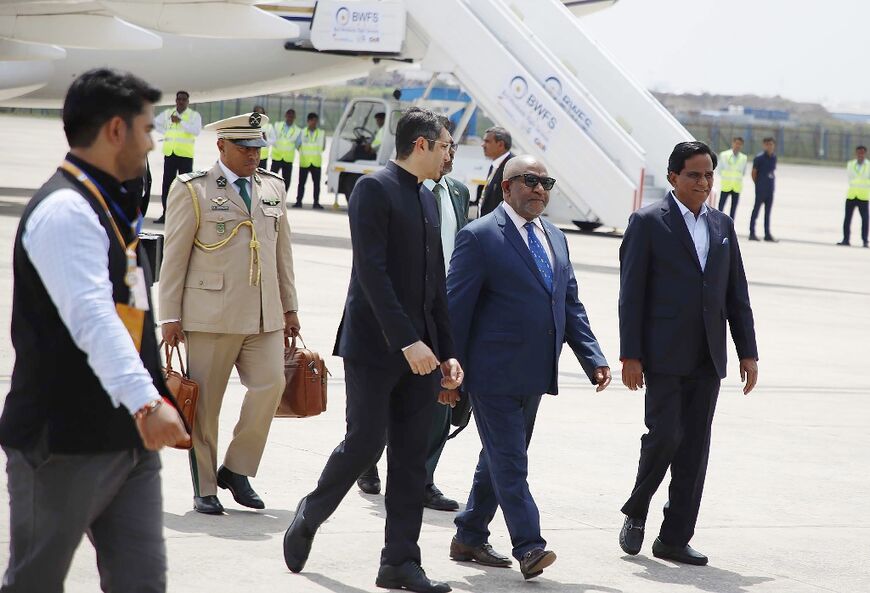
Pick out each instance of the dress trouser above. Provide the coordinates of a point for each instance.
(439, 430)
(723, 199)
(505, 424)
(115, 498)
(259, 359)
(383, 403)
(315, 179)
(173, 166)
(851, 205)
(679, 416)
(284, 169)
(763, 197)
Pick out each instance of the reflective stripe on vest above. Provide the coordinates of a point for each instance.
(311, 149)
(732, 168)
(284, 148)
(859, 180)
(176, 140)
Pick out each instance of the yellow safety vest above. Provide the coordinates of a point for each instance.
(284, 148)
(859, 180)
(379, 138)
(264, 152)
(732, 169)
(311, 148)
(175, 140)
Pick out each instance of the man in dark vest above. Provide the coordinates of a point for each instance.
(86, 412)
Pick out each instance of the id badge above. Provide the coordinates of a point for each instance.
(138, 291)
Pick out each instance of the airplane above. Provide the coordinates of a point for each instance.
(528, 63)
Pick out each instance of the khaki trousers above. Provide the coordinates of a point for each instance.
(259, 359)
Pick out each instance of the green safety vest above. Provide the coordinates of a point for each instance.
(311, 148)
(175, 140)
(732, 169)
(284, 148)
(859, 180)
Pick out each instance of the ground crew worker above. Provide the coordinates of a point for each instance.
(732, 168)
(764, 177)
(858, 194)
(284, 148)
(380, 118)
(269, 135)
(311, 144)
(180, 127)
(227, 290)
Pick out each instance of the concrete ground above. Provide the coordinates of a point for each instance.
(784, 508)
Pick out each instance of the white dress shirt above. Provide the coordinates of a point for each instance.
(520, 222)
(232, 177)
(69, 249)
(697, 230)
(448, 219)
(164, 120)
(496, 163)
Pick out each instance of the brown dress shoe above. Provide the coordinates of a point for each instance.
(535, 561)
(482, 554)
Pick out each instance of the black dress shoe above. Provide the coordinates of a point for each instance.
(209, 505)
(535, 561)
(631, 535)
(317, 207)
(297, 205)
(437, 501)
(844, 242)
(770, 239)
(240, 487)
(866, 244)
(370, 482)
(297, 540)
(410, 577)
(754, 238)
(160, 220)
(482, 554)
(685, 554)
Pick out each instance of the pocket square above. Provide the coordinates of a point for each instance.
(725, 241)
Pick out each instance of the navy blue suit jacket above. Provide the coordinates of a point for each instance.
(396, 294)
(665, 298)
(508, 328)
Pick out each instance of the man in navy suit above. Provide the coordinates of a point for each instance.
(393, 335)
(681, 277)
(513, 303)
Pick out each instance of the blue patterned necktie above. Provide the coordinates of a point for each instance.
(539, 254)
(242, 184)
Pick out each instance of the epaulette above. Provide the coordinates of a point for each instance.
(191, 176)
(270, 173)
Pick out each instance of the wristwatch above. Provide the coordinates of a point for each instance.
(148, 409)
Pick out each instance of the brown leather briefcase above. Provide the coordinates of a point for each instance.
(305, 391)
(184, 389)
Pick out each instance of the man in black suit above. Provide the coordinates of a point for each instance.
(681, 277)
(496, 146)
(394, 333)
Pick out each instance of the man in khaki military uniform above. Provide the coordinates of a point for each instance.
(227, 289)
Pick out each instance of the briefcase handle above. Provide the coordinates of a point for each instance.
(169, 353)
(292, 344)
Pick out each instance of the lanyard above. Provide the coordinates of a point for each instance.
(129, 249)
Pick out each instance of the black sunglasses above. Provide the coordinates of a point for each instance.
(531, 180)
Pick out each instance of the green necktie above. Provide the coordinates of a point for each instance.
(242, 184)
(437, 191)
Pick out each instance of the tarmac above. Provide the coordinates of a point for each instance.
(784, 507)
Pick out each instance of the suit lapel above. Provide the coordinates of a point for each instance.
(559, 256)
(715, 234)
(513, 237)
(456, 201)
(674, 220)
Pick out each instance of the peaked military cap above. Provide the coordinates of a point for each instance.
(244, 130)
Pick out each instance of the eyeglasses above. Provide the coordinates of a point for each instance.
(447, 145)
(531, 180)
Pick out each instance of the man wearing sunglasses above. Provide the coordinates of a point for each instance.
(513, 303)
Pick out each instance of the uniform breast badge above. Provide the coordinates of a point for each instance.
(270, 201)
(220, 203)
(221, 228)
(221, 181)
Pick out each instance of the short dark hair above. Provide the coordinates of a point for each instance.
(293, 111)
(684, 151)
(447, 123)
(769, 139)
(416, 122)
(312, 115)
(260, 107)
(380, 114)
(185, 93)
(500, 135)
(736, 138)
(861, 147)
(96, 97)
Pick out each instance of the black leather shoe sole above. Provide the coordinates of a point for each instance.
(666, 552)
(538, 567)
(369, 486)
(208, 508)
(403, 585)
(483, 561)
(441, 504)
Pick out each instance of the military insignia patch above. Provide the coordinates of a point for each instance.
(221, 228)
(271, 201)
(221, 181)
(220, 203)
(255, 120)
(257, 179)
